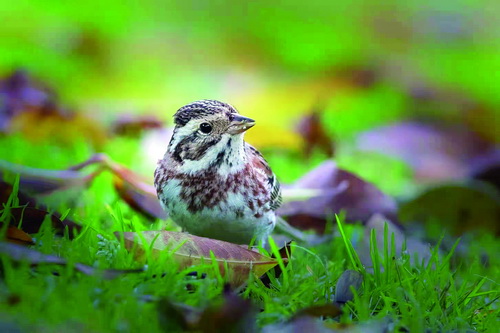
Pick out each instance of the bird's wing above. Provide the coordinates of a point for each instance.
(275, 192)
(258, 161)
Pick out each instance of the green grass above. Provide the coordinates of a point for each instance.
(449, 292)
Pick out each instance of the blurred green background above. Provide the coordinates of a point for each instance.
(269, 58)
(363, 64)
(406, 94)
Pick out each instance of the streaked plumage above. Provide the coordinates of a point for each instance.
(213, 183)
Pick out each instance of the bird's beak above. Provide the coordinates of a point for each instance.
(239, 124)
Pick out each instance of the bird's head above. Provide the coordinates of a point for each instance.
(205, 130)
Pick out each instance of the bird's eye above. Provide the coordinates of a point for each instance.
(205, 128)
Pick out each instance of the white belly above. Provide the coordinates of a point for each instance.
(231, 220)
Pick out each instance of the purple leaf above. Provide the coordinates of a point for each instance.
(341, 190)
(435, 152)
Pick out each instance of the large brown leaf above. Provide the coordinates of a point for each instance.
(192, 250)
(340, 190)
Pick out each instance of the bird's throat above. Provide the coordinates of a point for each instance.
(226, 157)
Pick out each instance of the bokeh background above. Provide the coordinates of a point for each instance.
(411, 88)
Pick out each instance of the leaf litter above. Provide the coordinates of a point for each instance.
(339, 191)
(234, 262)
(21, 253)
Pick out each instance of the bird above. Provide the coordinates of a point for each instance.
(211, 182)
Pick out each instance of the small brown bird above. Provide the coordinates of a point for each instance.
(211, 182)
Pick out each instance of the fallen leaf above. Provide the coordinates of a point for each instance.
(357, 76)
(132, 188)
(434, 152)
(31, 108)
(146, 203)
(32, 219)
(314, 135)
(324, 310)
(231, 314)
(48, 124)
(21, 253)
(301, 324)
(173, 317)
(486, 168)
(315, 325)
(37, 181)
(459, 207)
(348, 279)
(235, 314)
(6, 191)
(135, 125)
(193, 250)
(18, 93)
(340, 190)
(17, 236)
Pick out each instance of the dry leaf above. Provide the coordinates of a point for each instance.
(47, 124)
(32, 219)
(146, 203)
(301, 324)
(35, 258)
(32, 109)
(314, 135)
(348, 279)
(132, 188)
(434, 152)
(324, 310)
(37, 181)
(135, 125)
(457, 207)
(341, 190)
(486, 168)
(233, 314)
(193, 250)
(17, 236)
(19, 93)
(315, 325)
(6, 191)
